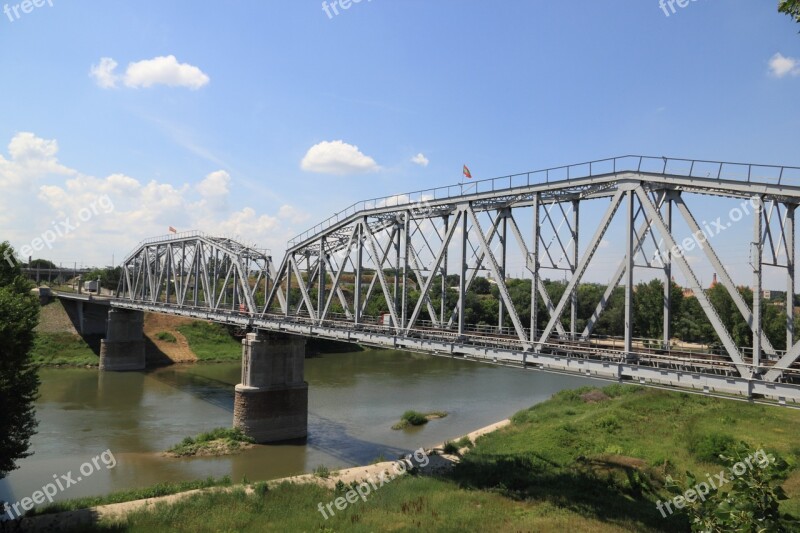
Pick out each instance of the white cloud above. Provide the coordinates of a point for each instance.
(288, 212)
(162, 70)
(103, 73)
(337, 157)
(420, 160)
(31, 159)
(215, 184)
(780, 66)
(39, 192)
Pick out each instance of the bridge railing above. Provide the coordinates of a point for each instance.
(691, 168)
(194, 234)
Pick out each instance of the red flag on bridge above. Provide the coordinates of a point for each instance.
(467, 173)
(172, 230)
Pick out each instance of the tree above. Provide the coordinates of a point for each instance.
(42, 263)
(481, 286)
(109, 277)
(19, 314)
(751, 504)
(791, 8)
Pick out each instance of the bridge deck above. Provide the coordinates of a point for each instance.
(700, 372)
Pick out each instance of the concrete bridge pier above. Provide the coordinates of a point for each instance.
(271, 402)
(123, 347)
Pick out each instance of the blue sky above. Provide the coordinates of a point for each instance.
(214, 137)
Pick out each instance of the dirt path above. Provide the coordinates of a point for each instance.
(177, 352)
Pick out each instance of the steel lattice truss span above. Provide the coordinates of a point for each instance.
(392, 272)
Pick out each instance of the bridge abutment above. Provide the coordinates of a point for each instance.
(271, 402)
(123, 347)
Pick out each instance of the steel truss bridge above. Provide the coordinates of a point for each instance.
(395, 252)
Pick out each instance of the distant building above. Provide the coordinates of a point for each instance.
(688, 293)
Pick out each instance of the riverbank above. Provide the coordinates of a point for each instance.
(437, 463)
(583, 461)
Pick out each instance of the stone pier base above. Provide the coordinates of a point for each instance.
(271, 415)
(271, 402)
(123, 347)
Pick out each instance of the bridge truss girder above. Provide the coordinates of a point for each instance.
(404, 259)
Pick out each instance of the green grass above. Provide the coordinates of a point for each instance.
(564, 465)
(610, 458)
(166, 336)
(220, 441)
(162, 489)
(322, 471)
(410, 503)
(62, 349)
(415, 418)
(211, 342)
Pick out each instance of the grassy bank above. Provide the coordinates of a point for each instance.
(162, 489)
(584, 461)
(63, 349)
(211, 342)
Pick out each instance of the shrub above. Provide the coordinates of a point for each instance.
(414, 418)
(711, 446)
(751, 504)
(166, 336)
(322, 472)
(450, 448)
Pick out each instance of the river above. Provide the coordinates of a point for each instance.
(354, 398)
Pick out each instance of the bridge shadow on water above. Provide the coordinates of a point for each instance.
(332, 438)
(325, 434)
(213, 391)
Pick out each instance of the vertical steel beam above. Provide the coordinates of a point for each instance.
(437, 263)
(357, 281)
(629, 276)
(548, 303)
(722, 273)
(198, 249)
(168, 261)
(443, 300)
(396, 244)
(288, 265)
(462, 278)
(755, 259)
(404, 293)
(583, 264)
(669, 241)
(534, 261)
(788, 230)
(667, 276)
(573, 314)
(503, 255)
(323, 278)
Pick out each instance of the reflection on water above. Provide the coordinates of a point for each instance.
(354, 399)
